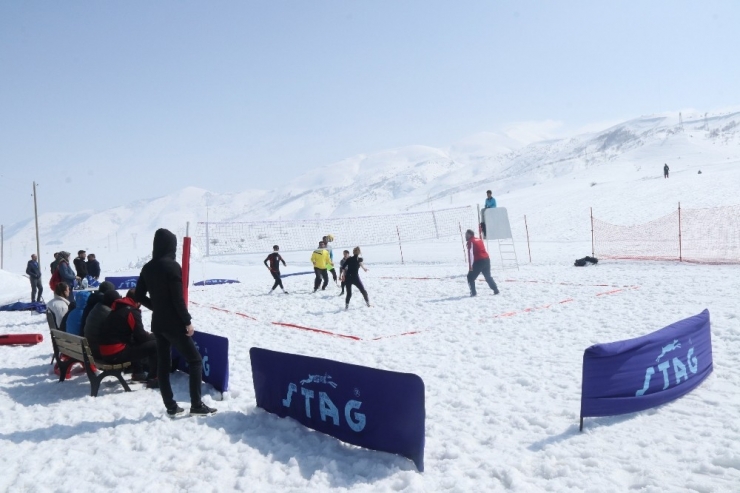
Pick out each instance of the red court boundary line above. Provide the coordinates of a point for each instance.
(303, 327)
(515, 280)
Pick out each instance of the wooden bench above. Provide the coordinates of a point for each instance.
(78, 350)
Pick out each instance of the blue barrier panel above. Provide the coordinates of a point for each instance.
(212, 282)
(127, 282)
(376, 409)
(637, 374)
(215, 353)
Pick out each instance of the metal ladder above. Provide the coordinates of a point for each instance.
(507, 251)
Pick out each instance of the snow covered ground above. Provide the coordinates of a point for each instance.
(502, 377)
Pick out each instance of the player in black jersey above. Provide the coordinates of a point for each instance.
(351, 275)
(274, 258)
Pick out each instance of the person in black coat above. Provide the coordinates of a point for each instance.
(93, 266)
(66, 273)
(161, 279)
(95, 298)
(34, 274)
(81, 265)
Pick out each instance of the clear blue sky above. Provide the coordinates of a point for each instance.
(103, 103)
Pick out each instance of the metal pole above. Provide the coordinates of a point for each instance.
(187, 228)
(480, 229)
(399, 243)
(2, 245)
(462, 239)
(527, 229)
(36, 218)
(680, 243)
(593, 251)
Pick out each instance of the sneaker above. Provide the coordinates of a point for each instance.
(202, 410)
(152, 383)
(285, 292)
(175, 411)
(496, 291)
(367, 303)
(346, 307)
(472, 295)
(139, 377)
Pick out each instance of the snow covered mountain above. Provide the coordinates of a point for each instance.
(593, 169)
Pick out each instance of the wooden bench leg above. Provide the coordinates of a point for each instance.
(96, 379)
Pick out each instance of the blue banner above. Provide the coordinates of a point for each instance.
(212, 282)
(637, 374)
(127, 282)
(376, 409)
(215, 353)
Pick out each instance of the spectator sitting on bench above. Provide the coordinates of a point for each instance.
(59, 306)
(124, 339)
(95, 320)
(95, 298)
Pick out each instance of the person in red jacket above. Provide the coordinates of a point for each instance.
(478, 262)
(124, 338)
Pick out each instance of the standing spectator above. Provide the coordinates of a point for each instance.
(93, 266)
(66, 273)
(124, 338)
(55, 263)
(274, 258)
(81, 265)
(489, 204)
(478, 262)
(161, 277)
(320, 260)
(34, 274)
(666, 170)
(59, 305)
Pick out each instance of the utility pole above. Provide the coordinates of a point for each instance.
(2, 245)
(36, 218)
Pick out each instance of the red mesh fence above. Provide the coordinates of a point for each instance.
(710, 236)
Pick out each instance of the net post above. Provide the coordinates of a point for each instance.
(526, 228)
(462, 239)
(593, 250)
(680, 245)
(185, 268)
(398, 232)
(581, 429)
(208, 242)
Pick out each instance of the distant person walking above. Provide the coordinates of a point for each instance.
(351, 276)
(478, 262)
(320, 260)
(34, 274)
(666, 170)
(489, 204)
(161, 277)
(274, 259)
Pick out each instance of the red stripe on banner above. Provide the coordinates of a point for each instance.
(319, 331)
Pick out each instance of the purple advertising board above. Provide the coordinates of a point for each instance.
(372, 408)
(214, 282)
(214, 350)
(126, 282)
(636, 374)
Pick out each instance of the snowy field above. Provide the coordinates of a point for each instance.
(502, 377)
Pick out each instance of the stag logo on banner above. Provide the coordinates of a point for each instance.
(679, 368)
(327, 409)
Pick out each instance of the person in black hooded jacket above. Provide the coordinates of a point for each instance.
(161, 279)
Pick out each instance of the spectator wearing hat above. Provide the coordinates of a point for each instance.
(66, 273)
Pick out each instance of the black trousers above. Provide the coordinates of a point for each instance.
(321, 274)
(333, 274)
(36, 287)
(186, 347)
(354, 281)
(136, 354)
(481, 267)
(278, 281)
